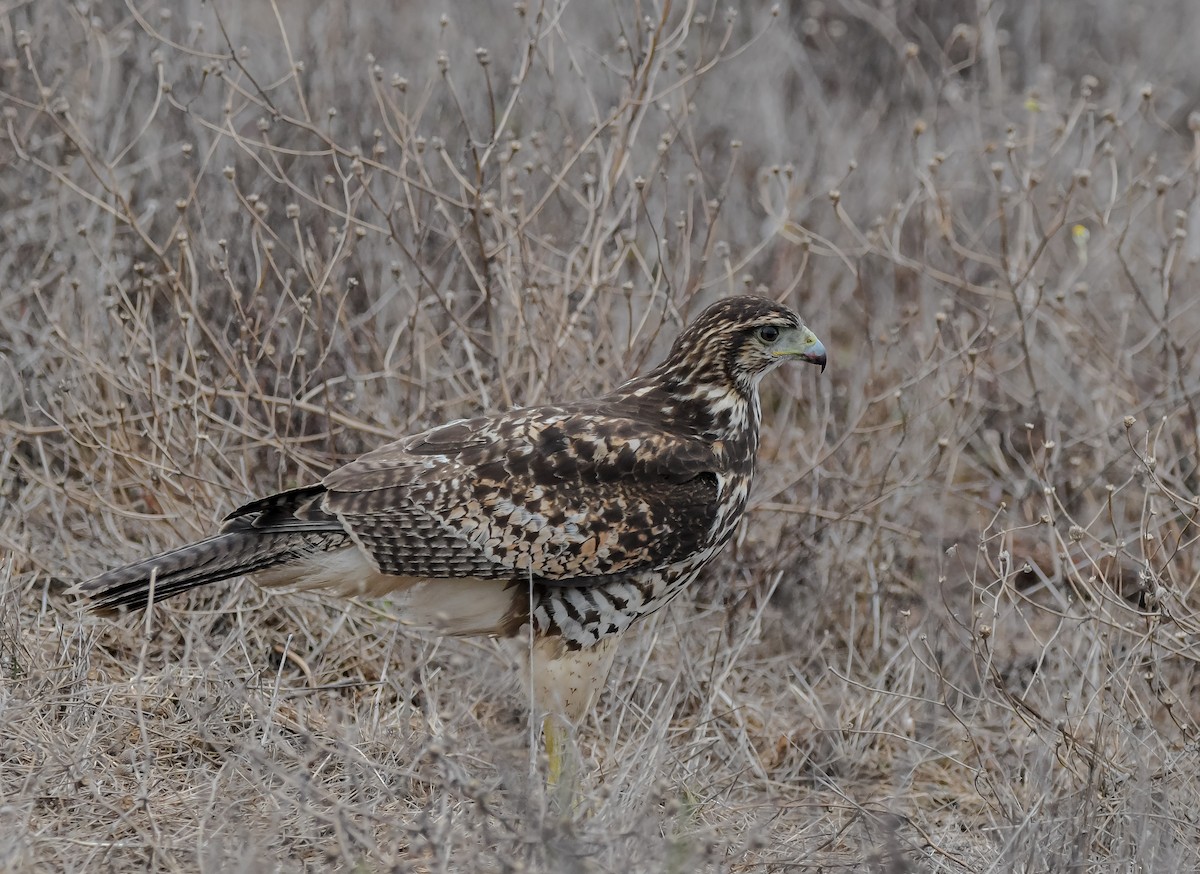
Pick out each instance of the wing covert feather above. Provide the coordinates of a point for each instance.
(555, 494)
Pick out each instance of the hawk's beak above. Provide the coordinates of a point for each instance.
(803, 344)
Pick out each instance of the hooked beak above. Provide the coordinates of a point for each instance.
(803, 344)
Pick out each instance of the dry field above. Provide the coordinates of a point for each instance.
(241, 242)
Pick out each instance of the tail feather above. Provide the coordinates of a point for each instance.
(218, 558)
(274, 531)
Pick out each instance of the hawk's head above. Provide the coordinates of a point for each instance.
(736, 341)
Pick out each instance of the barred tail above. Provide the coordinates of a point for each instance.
(278, 530)
(209, 561)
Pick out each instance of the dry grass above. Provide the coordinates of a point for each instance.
(959, 630)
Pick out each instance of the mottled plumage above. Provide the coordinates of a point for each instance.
(574, 519)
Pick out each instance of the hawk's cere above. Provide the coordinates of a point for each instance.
(575, 519)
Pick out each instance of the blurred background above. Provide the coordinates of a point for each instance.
(241, 243)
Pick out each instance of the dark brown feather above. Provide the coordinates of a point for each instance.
(543, 491)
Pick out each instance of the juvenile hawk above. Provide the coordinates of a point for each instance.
(575, 519)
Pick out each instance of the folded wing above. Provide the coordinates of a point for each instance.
(565, 497)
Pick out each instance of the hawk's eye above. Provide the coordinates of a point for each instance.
(768, 333)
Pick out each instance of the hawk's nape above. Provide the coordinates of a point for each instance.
(575, 519)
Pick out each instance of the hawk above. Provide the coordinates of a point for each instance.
(573, 520)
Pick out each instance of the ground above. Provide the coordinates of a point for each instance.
(959, 628)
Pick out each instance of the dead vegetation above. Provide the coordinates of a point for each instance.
(241, 243)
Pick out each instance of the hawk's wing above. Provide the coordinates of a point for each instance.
(563, 496)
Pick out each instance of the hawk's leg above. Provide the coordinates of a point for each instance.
(565, 683)
(559, 747)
